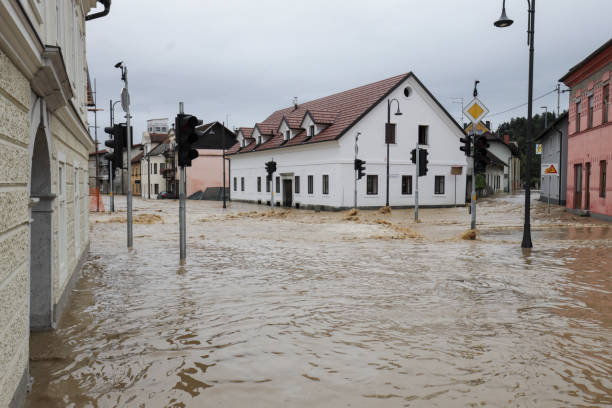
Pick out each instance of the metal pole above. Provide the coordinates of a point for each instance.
(388, 121)
(224, 204)
(96, 135)
(272, 189)
(110, 176)
(416, 189)
(558, 98)
(455, 190)
(549, 181)
(182, 188)
(128, 117)
(355, 170)
(148, 176)
(473, 200)
(526, 243)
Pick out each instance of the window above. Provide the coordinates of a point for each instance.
(325, 184)
(311, 130)
(372, 184)
(277, 184)
(423, 134)
(310, 184)
(259, 184)
(590, 113)
(241, 183)
(150, 129)
(578, 116)
(297, 184)
(157, 129)
(267, 185)
(606, 103)
(439, 188)
(406, 185)
(235, 184)
(258, 140)
(602, 178)
(162, 166)
(156, 188)
(154, 168)
(287, 134)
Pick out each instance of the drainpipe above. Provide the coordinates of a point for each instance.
(106, 4)
(560, 159)
(229, 175)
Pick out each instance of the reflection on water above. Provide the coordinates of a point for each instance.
(308, 310)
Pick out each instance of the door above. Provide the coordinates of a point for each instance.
(578, 186)
(287, 192)
(587, 198)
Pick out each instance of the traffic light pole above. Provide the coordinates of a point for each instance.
(128, 117)
(182, 188)
(473, 200)
(416, 190)
(356, 170)
(110, 177)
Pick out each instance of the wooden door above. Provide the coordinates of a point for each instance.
(587, 198)
(578, 186)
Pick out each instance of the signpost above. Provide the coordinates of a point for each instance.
(475, 111)
(456, 171)
(550, 170)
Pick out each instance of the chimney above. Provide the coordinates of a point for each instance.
(295, 103)
(507, 139)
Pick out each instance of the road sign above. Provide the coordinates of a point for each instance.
(456, 170)
(475, 111)
(125, 100)
(550, 169)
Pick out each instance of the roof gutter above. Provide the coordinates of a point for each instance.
(106, 4)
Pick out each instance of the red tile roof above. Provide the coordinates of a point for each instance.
(341, 111)
(137, 157)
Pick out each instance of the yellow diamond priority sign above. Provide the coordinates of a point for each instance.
(475, 111)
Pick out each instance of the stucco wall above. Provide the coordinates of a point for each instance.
(206, 171)
(14, 227)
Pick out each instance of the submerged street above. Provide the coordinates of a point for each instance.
(300, 308)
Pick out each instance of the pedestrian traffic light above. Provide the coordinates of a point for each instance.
(413, 156)
(480, 154)
(117, 142)
(423, 153)
(467, 144)
(360, 168)
(186, 136)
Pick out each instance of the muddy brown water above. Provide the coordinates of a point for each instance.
(308, 309)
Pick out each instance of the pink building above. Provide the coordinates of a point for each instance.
(589, 189)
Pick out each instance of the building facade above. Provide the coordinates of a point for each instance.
(589, 189)
(44, 146)
(103, 179)
(313, 145)
(554, 151)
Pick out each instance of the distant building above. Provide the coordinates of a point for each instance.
(554, 151)
(103, 179)
(156, 141)
(313, 144)
(136, 178)
(589, 188)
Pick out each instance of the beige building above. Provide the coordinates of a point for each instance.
(44, 146)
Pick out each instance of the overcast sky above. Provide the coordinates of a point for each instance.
(244, 59)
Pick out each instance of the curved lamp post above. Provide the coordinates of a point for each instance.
(397, 113)
(504, 21)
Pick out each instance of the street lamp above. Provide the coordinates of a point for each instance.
(397, 113)
(504, 21)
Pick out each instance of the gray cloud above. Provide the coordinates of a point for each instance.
(247, 58)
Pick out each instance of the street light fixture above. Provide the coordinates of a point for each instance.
(504, 21)
(397, 113)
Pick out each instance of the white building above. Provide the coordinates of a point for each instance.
(313, 145)
(44, 146)
(156, 140)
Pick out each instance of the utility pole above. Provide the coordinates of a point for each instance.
(223, 130)
(96, 134)
(473, 200)
(148, 175)
(558, 102)
(272, 188)
(125, 104)
(416, 189)
(110, 167)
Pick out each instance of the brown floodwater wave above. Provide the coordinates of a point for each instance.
(292, 312)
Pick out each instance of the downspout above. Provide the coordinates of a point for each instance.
(229, 176)
(106, 4)
(560, 159)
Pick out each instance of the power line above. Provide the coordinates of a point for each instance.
(521, 105)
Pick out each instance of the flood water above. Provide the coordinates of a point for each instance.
(305, 309)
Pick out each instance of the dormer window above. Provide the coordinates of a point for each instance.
(287, 135)
(259, 140)
(311, 131)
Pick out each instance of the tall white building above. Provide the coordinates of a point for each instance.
(44, 146)
(155, 140)
(313, 144)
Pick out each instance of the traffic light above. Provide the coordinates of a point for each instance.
(467, 144)
(480, 154)
(423, 153)
(186, 136)
(270, 168)
(413, 156)
(117, 143)
(360, 168)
